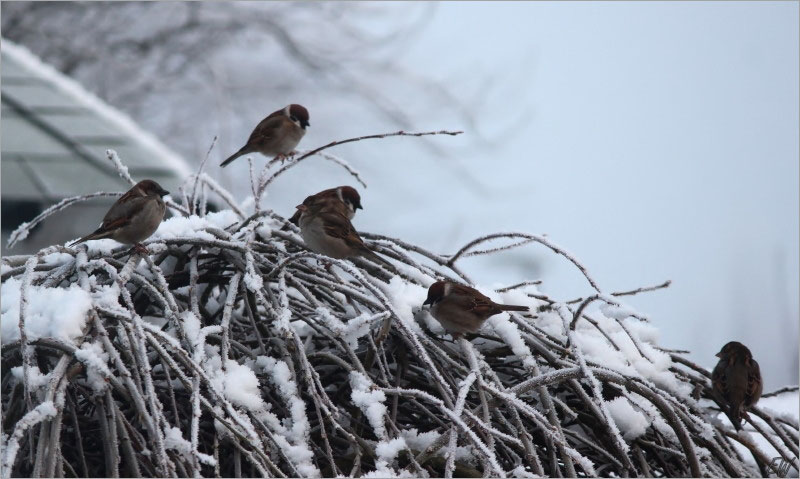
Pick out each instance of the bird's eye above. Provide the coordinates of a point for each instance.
(293, 118)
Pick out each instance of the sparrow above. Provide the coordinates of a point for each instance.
(331, 233)
(277, 134)
(461, 309)
(134, 216)
(736, 381)
(344, 200)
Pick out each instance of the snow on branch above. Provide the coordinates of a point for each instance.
(233, 351)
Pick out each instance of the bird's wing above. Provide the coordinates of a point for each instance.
(755, 385)
(719, 382)
(338, 226)
(123, 211)
(267, 128)
(472, 300)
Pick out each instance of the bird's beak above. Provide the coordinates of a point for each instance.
(427, 301)
(306, 124)
(163, 192)
(719, 355)
(359, 207)
(302, 208)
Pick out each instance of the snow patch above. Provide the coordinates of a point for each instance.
(371, 402)
(240, 386)
(630, 422)
(59, 313)
(173, 439)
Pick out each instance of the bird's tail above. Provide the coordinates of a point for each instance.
(511, 307)
(97, 234)
(242, 151)
(371, 255)
(735, 416)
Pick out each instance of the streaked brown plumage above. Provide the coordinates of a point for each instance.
(736, 381)
(461, 309)
(331, 233)
(134, 216)
(277, 134)
(344, 200)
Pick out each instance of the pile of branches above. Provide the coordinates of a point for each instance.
(233, 351)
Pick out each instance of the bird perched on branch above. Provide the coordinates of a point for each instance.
(331, 233)
(461, 309)
(344, 200)
(134, 216)
(736, 381)
(277, 135)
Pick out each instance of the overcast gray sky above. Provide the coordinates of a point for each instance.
(654, 140)
(661, 143)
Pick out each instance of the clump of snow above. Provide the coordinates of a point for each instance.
(264, 231)
(520, 472)
(519, 296)
(57, 258)
(99, 247)
(96, 359)
(406, 298)
(370, 401)
(240, 386)
(292, 435)
(354, 329)
(388, 450)
(551, 323)
(191, 325)
(222, 219)
(653, 415)
(282, 378)
(654, 365)
(646, 332)
(173, 439)
(616, 311)
(181, 226)
(419, 441)
(106, 296)
(59, 313)
(630, 422)
(35, 377)
(252, 279)
(509, 332)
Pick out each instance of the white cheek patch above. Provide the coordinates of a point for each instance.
(447, 288)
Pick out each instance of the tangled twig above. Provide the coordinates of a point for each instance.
(234, 351)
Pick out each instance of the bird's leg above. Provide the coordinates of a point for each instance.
(284, 157)
(328, 265)
(141, 249)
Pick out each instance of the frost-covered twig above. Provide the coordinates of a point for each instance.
(233, 350)
(303, 156)
(24, 229)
